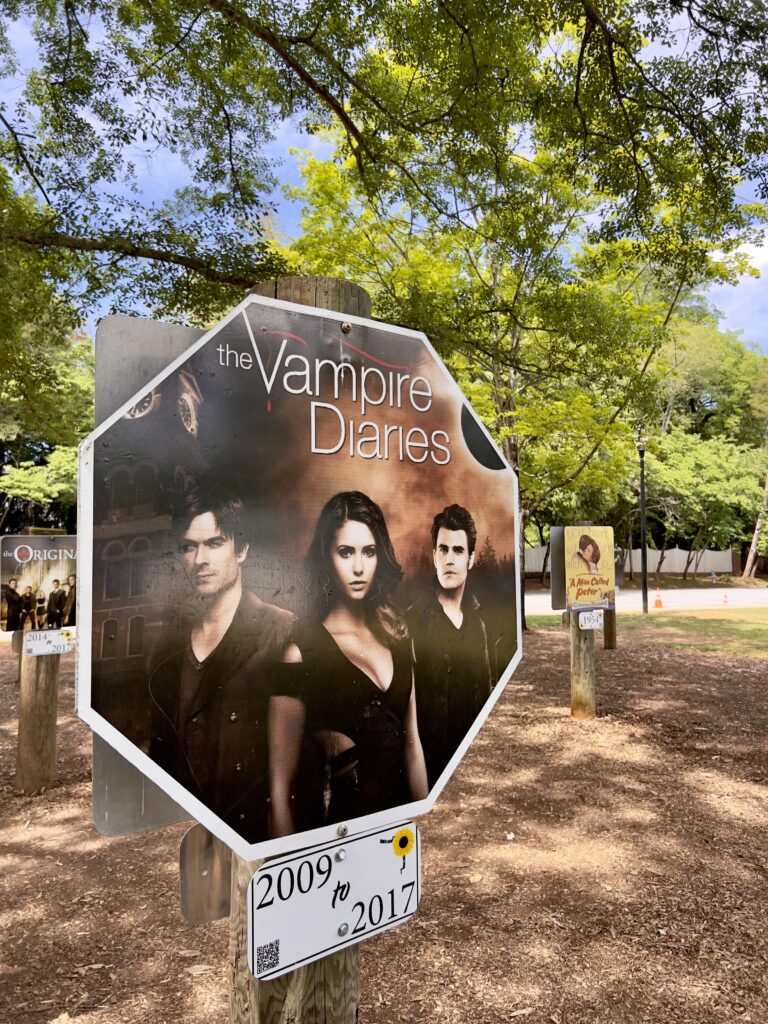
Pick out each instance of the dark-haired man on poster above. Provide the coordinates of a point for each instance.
(69, 612)
(13, 604)
(55, 608)
(452, 671)
(209, 676)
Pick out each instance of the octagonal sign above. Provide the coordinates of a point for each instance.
(299, 592)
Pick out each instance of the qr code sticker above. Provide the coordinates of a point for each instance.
(268, 956)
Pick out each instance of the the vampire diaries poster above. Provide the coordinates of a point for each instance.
(304, 597)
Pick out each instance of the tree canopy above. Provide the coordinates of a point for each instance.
(649, 103)
(542, 188)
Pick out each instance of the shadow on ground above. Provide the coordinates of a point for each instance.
(599, 872)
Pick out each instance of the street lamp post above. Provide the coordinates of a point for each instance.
(643, 547)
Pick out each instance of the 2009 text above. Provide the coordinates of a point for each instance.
(289, 880)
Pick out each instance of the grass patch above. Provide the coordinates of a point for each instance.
(742, 631)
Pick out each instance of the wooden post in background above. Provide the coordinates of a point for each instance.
(583, 703)
(17, 647)
(38, 705)
(328, 990)
(609, 629)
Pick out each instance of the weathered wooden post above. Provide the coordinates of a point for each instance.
(328, 990)
(38, 703)
(609, 629)
(583, 704)
(304, 921)
(589, 580)
(244, 989)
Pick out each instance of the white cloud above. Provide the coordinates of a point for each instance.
(744, 306)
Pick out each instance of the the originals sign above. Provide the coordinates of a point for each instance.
(24, 554)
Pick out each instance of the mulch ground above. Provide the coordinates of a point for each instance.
(602, 872)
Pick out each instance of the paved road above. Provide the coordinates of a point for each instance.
(538, 603)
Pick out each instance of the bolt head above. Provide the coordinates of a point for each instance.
(341, 855)
(346, 327)
(342, 831)
(343, 928)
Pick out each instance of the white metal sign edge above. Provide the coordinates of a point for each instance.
(269, 847)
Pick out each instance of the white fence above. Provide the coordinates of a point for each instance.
(674, 560)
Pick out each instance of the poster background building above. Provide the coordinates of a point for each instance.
(289, 409)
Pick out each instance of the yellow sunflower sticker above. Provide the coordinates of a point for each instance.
(403, 842)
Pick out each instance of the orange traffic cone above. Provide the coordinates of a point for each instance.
(657, 603)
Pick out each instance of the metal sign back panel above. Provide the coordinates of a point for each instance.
(129, 351)
(303, 415)
(313, 903)
(124, 800)
(557, 567)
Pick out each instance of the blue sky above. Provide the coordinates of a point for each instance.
(745, 306)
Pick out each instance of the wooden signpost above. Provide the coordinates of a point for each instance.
(328, 990)
(39, 562)
(360, 390)
(583, 580)
(583, 699)
(324, 992)
(38, 703)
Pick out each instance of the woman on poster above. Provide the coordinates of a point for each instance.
(40, 614)
(347, 681)
(588, 554)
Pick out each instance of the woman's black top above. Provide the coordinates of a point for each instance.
(340, 697)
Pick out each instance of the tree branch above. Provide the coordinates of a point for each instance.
(597, 445)
(125, 248)
(22, 156)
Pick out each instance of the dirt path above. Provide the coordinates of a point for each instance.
(604, 873)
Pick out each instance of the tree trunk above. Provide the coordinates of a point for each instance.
(692, 552)
(751, 563)
(521, 557)
(629, 549)
(662, 556)
(544, 566)
(688, 561)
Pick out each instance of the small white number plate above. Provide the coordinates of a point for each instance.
(307, 905)
(592, 619)
(48, 641)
